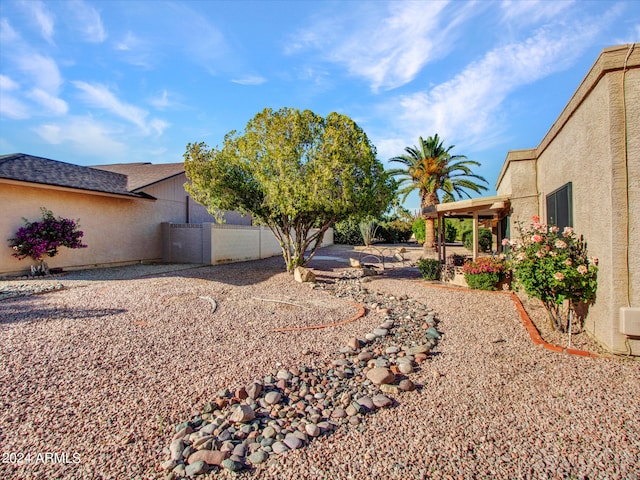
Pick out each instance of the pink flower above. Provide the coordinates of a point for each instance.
(540, 253)
(593, 260)
(567, 232)
(536, 238)
(521, 257)
(505, 242)
(559, 276)
(568, 262)
(535, 219)
(582, 269)
(554, 229)
(561, 244)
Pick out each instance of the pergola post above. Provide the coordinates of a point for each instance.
(475, 235)
(438, 242)
(443, 236)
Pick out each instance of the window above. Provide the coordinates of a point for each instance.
(560, 207)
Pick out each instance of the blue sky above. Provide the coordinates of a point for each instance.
(94, 82)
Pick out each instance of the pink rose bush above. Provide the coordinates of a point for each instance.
(555, 268)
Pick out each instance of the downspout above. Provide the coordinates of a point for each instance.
(626, 169)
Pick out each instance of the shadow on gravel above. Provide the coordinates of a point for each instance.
(16, 312)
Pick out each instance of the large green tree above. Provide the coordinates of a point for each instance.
(295, 172)
(431, 169)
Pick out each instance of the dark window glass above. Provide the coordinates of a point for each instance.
(560, 207)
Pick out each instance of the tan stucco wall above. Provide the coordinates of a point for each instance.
(586, 146)
(116, 230)
(518, 180)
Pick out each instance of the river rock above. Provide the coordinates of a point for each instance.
(210, 457)
(242, 414)
(380, 375)
(195, 468)
(272, 397)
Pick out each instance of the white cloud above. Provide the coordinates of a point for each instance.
(7, 33)
(387, 46)
(85, 136)
(54, 105)
(42, 71)
(88, 21)
(532, 11)
(6, 83)
(469, 106)
(42, 17)
(249, 80)
(162, 101)
(100, 96)
(13, 108)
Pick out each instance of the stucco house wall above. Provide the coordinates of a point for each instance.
(116, 230)
(586, 146)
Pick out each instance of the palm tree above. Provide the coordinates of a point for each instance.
(431, 169)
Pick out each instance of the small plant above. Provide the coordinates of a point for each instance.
(555, 268)
(430, 268)
(368, 229)
(484, 273)
(37, 239)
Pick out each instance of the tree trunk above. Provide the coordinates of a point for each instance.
(429, 199)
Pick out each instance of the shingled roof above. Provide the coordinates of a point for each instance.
(141, 175)
(32, 169)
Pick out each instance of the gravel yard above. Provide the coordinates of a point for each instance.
(99, 372)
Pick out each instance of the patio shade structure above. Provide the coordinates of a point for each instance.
(484, 208)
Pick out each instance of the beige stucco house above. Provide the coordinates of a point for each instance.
(585, 173)
(120, 207)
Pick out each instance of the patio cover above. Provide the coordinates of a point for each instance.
(482, 208)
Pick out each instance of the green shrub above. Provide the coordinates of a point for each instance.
(418, 228)
(450, 232)
(484, 239)
(430, 268)
(347, 232)
(395, 231)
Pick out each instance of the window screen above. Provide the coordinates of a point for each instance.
(560, 207)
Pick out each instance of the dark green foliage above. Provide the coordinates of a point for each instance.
(418, 228)
(484, 239)
(347, 232)
(430, 268)
(396, 231)
(483, 281)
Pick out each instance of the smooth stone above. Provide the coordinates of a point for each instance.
(407, 385)
(183, 432)
(351, 410)
(240, 450)
(176, 448)
(381, 401)
(254, 390)
(258, 457)
(232, 465)
(168, 465)
(405, 368)
(380, 332)
(380, 375)
(312, 430)
(433, 333)
(391, 350)
(279, 448)
(339, 412)
(210, 457)
(242, 414)
(421, 357)
(370, 336)
(365, 356)
(293, 442)
(418, 349)
(195, 468)
(366, 402)
(381, 362)
(272, 397)
(353, 343)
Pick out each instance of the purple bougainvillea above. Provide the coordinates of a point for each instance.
(37, 239)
